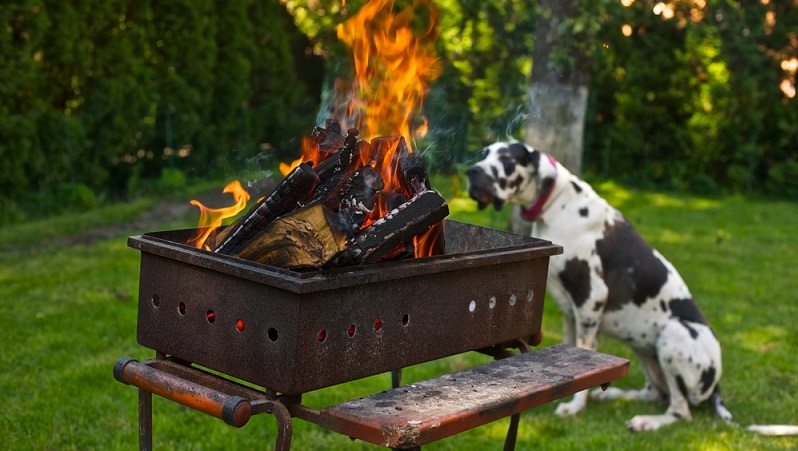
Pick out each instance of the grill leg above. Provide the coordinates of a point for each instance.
(512, 431)
(145, 420)
(396, 378)
(285, 429)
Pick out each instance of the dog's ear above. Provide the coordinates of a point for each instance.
(521, 154)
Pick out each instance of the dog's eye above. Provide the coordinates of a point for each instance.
(509, 165)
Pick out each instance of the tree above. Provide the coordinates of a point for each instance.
(558, 90)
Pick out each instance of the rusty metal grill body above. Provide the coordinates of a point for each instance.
(295, 332)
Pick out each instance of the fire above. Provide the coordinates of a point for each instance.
(211, 218)
(393, 68)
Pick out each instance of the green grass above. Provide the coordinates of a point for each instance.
(69, 312)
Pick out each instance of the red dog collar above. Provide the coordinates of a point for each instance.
(533, 214)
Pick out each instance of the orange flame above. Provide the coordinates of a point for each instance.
(393, 66)
(211, 218)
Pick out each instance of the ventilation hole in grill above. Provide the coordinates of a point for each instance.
(181, 308)
(240, 325)
(321, 336)
(378, 324)
(405, 319)
(351, 331)
(156, 301)
(513, 298)
(472, 306)
(529, 295)
(272, 333)
(492, 302)
(210, 316)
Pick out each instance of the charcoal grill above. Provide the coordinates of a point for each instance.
(293, 332)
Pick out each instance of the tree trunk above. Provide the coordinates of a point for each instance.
(557, 96)
(558, 91)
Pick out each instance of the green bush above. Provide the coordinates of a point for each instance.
(783, 179)
(106, 95)
(171, 181)
(75, 197)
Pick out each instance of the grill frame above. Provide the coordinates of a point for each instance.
(488, 290)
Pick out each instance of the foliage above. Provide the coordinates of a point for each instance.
(98, 92)
(690, 99)
(695, 96)
(66, 323)
(108, 94)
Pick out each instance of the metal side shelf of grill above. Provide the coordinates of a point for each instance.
(405, 417)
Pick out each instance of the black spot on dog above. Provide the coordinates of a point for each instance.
(632, 272)
(693, 332)
(515, 182)
(576, 186)
(576, 280)
(520, 153)
(598, 306)
(509, 165)
(707, 379)
(502, 183)
(546, 186)
(686, 309)
(534, 161)
(583, 212)
(663, 306)
(589, 324)
(495, 172)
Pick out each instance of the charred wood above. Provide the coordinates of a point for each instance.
(295, 189)
(306, 238)
(399, 226)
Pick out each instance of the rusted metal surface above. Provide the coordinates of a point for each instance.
(424, 412)
(296, 332)
(190, 387)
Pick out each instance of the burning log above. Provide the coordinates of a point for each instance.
(355, 195)
(397, 227)
(295, 189)
(306, 238)
(315, 218)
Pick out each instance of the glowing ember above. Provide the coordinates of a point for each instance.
(211, 218)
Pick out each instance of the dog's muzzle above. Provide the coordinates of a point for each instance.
(482, 188)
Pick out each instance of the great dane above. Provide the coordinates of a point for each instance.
(609, 280)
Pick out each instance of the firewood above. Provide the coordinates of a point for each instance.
(306, 238)
(355, 196)
(399, 226)
(328, 139)
(295, 189)
(413, 174)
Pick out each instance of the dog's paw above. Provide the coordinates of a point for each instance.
(608, 394)
(569, 408)
(642, 423)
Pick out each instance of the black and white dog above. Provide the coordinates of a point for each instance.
(608, 279)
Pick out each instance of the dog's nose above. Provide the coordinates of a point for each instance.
(473, 171)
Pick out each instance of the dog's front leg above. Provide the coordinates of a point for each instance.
(585, 329)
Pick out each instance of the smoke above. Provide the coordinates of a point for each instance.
(515, 122)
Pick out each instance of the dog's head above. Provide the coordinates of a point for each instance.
(510, 172)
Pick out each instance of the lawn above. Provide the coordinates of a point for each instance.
(69, 312)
